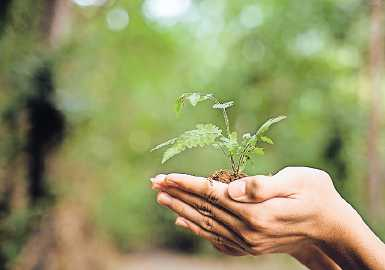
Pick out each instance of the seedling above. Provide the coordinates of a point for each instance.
(238, 150)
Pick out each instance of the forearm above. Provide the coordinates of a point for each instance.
(315, 259)
(353, 245)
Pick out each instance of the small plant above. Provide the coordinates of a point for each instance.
(238, 150)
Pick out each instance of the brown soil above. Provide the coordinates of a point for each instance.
(226, 176)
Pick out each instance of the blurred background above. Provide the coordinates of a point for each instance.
(88, 88)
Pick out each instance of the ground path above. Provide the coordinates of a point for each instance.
(172, 261)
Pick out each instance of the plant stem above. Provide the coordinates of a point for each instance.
(231, 159)
(240, 161)
(233, 165)
(225, 116)
(227, 124)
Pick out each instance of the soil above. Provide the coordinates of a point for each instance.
(225, 176)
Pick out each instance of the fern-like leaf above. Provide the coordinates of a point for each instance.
(203, 135)
(231, 143)
(171, 141)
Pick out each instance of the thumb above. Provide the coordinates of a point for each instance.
(257, 188)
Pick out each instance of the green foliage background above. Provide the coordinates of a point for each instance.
(303, 59)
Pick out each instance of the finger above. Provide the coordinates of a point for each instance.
(213, 238)
(159, 179)
(213, 191)
(258, 188)
(207, 223)
(222, 248)
(205, 208)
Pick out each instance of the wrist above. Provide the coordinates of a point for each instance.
(342, 224)
(349, 241)
(334, 217)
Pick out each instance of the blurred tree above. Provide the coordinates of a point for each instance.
(46, 130)
(376, 175)
(4, 5)
(34, 125)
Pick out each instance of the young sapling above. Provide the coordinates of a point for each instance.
(238, 150)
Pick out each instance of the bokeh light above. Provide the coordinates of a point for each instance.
(251, 16)
(117, 19)
(86, 3)
(309, 42)
(165, 11)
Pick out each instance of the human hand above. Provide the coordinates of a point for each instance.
(291, 212)
(296, 206)
(260, 237)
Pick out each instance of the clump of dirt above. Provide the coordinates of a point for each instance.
(225, 176)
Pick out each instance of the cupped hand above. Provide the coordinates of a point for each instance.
(296, 207)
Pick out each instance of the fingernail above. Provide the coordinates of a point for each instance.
(164, 199)
(156, 186)
(158, 179)
(171, 183)
(181, 222)
(237, 189)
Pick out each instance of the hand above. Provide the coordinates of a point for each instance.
(232, 250)
(290, 214)
(310, 256)
(287, 219)
(183, 202)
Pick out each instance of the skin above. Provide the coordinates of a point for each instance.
(297, 211)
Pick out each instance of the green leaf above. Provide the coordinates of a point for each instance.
(223, 105)
(248, 139)
(172, 151)
(231, 143)
(193, 98)
(171, 141)
(203, 135)
(258, 151)
(265, 127)
(267, 140)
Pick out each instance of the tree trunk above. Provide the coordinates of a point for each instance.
(376, 61)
